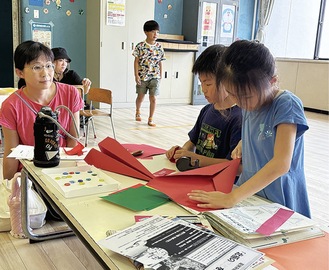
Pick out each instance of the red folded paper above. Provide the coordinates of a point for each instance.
(76, 150)
(218, 177)
(115, 158)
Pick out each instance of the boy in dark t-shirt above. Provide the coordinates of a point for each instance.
(218, 128)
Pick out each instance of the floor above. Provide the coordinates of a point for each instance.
(173, 123)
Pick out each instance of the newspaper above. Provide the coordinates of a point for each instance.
(162, 244)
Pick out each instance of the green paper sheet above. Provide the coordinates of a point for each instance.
(138, 198)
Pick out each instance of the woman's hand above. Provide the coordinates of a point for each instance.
(212, 199)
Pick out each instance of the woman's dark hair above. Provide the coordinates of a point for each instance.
(208, 60)
(150, 26)
(247, 67)
(30, 50)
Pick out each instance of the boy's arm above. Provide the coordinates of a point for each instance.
(136, 66)
(160, 65)
(189, 146)
(203, 160)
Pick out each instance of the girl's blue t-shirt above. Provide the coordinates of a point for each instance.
(258, 138)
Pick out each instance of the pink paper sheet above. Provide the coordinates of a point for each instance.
(148, 150)
(274, 222)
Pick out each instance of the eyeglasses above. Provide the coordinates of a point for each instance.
(39, 68)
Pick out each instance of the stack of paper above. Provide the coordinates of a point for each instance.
(161, 243)
(262, 226)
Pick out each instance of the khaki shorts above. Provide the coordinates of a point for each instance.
(152, 86)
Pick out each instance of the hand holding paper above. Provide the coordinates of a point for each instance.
(218, 177)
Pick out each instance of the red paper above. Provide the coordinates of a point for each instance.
(218, 177)
(115, 158)
(148, 150)
(76, 150)
(114, 149)
(163, 172)
(107, 163)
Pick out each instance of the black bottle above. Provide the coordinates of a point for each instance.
(46, 140)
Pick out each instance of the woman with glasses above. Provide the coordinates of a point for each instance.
(34, 64)
(62, 72)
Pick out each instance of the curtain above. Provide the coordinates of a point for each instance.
(264, 14)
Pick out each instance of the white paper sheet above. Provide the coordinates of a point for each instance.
(27, 152)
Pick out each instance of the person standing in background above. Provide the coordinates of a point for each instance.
(149, 55)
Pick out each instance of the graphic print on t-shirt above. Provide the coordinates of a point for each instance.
(209, 140)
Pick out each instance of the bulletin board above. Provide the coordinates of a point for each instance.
(57, 23)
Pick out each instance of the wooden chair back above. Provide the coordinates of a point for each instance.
(100, 95)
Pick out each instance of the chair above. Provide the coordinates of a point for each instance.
(96, 95)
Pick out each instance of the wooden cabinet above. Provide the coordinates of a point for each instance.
(177, 78)
(109, 47)
(308, 79)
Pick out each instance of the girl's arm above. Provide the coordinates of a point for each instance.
(86, 85)
(70, 142)
(276, 167)
(10, 165)
(237, 152)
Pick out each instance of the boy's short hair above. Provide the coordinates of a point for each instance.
(150, 26)
(208, 60)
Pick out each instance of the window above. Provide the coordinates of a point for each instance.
(323, 46)
(293, 27)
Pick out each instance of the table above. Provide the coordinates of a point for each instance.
(90, 217)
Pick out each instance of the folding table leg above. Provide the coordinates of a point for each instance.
(25, 216)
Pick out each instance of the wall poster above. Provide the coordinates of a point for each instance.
(115, 12)
(42, 32)
(228, 16)
(208, 23)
